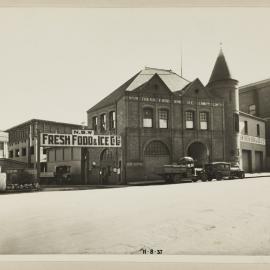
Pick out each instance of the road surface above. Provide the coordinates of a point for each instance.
(225, 217)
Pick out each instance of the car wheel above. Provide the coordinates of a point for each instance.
(204, 177)
(175, 178)
(68, 179)
(242, 176)
(194, 179)
(219, 176)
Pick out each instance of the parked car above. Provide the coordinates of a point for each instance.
(215, 170)
(220, 170)
(236, 171)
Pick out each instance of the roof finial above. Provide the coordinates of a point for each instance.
(220, 46)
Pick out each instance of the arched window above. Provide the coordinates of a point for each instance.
(106, 154)
(156, 148)
(189, 119)
(163, 116)
(148, 117)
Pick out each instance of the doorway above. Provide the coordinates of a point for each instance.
(199, 152)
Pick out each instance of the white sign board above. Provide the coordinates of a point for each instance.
(79, 140)
(83, 131)
(252, 139)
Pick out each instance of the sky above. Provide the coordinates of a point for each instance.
(56, 63)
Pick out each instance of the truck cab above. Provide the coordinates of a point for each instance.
(63, 174)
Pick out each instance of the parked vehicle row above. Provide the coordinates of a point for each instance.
(185, 170)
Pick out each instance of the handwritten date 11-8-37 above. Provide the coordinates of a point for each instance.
(151, 251)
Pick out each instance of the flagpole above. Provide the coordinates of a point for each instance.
(181, 60)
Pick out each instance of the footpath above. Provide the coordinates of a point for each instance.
(256, 175)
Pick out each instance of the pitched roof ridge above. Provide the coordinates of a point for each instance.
(167, 70)
(121, 88)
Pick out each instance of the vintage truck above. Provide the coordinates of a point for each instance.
(184, 170)
(61, 175)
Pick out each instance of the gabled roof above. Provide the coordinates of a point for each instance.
(196, 84)
(173, 81)
(152, 83)
(221, 70)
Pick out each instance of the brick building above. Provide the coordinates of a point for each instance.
(162, 117)
(22, 144)
(254, 100)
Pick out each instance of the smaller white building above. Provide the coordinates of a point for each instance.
(253, 143)
(3, 144)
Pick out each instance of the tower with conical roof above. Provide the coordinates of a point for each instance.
(222, 85)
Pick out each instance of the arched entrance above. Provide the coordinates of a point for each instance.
(107, 164)
(199, 152)
(156, 154)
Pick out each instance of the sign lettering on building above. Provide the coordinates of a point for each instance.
(83, 131)
(79, 140)
(252, 139)
(200, 102)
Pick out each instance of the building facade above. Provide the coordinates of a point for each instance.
(162, 117)
(252, 143)
(3, 144)
(255, 100)
(23, 143)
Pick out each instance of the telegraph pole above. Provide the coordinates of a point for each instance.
(38, 156)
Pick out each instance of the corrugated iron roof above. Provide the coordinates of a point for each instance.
(173, 81)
